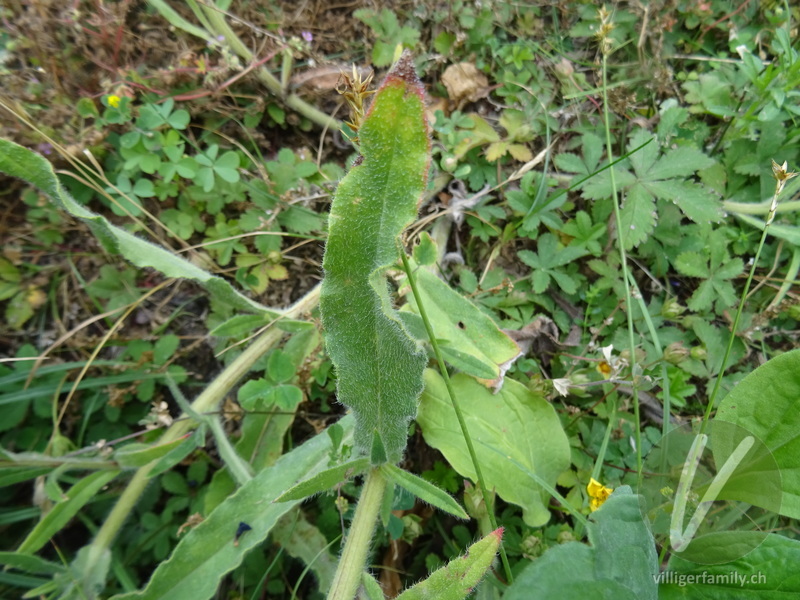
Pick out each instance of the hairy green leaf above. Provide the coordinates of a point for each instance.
(210, 550)
(325, 480)
(424, 490)
(379, 366)
(459, 577)
(621, 563)
(33, 168)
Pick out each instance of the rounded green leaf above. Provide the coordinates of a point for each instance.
(767, 404)
(531, 435)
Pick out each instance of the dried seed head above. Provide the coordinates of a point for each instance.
(355, 91)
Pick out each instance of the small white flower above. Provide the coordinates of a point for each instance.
(562, 385)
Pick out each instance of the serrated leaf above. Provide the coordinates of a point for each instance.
(571, 163)
(165, 347)
(698, 203)
(663, 177)
(520, 152)
(692, 264)
(541, 280)
(301, 219)
(565, 282)
(703, 297)
(496, 150)
(529, 258)
(730, 269)
(645, 157)
(683, 161)
(379, 366)
(599, 187)
(424, 490)
(637, 216)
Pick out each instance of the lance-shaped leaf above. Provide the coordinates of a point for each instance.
(459, 577)
(210, 550)
(33, 168)
(379, 366)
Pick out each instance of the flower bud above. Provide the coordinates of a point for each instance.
(675, 353)
(672, 309)
(698, 353)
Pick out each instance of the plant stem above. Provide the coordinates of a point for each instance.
(713, 398)
(206, 401)
(359, 538)
(624, 261)
(457, 408)
(220, 27)
(758, 208)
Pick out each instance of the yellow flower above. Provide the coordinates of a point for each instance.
(598, 493)
(113, 100)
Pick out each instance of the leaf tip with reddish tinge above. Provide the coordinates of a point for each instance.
(405, 71)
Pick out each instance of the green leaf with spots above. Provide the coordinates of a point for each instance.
(468, 338)
(379, 365)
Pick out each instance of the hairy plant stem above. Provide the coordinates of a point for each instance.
(457, 408)
(359, 538)
(206, 401)
(624, 261)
